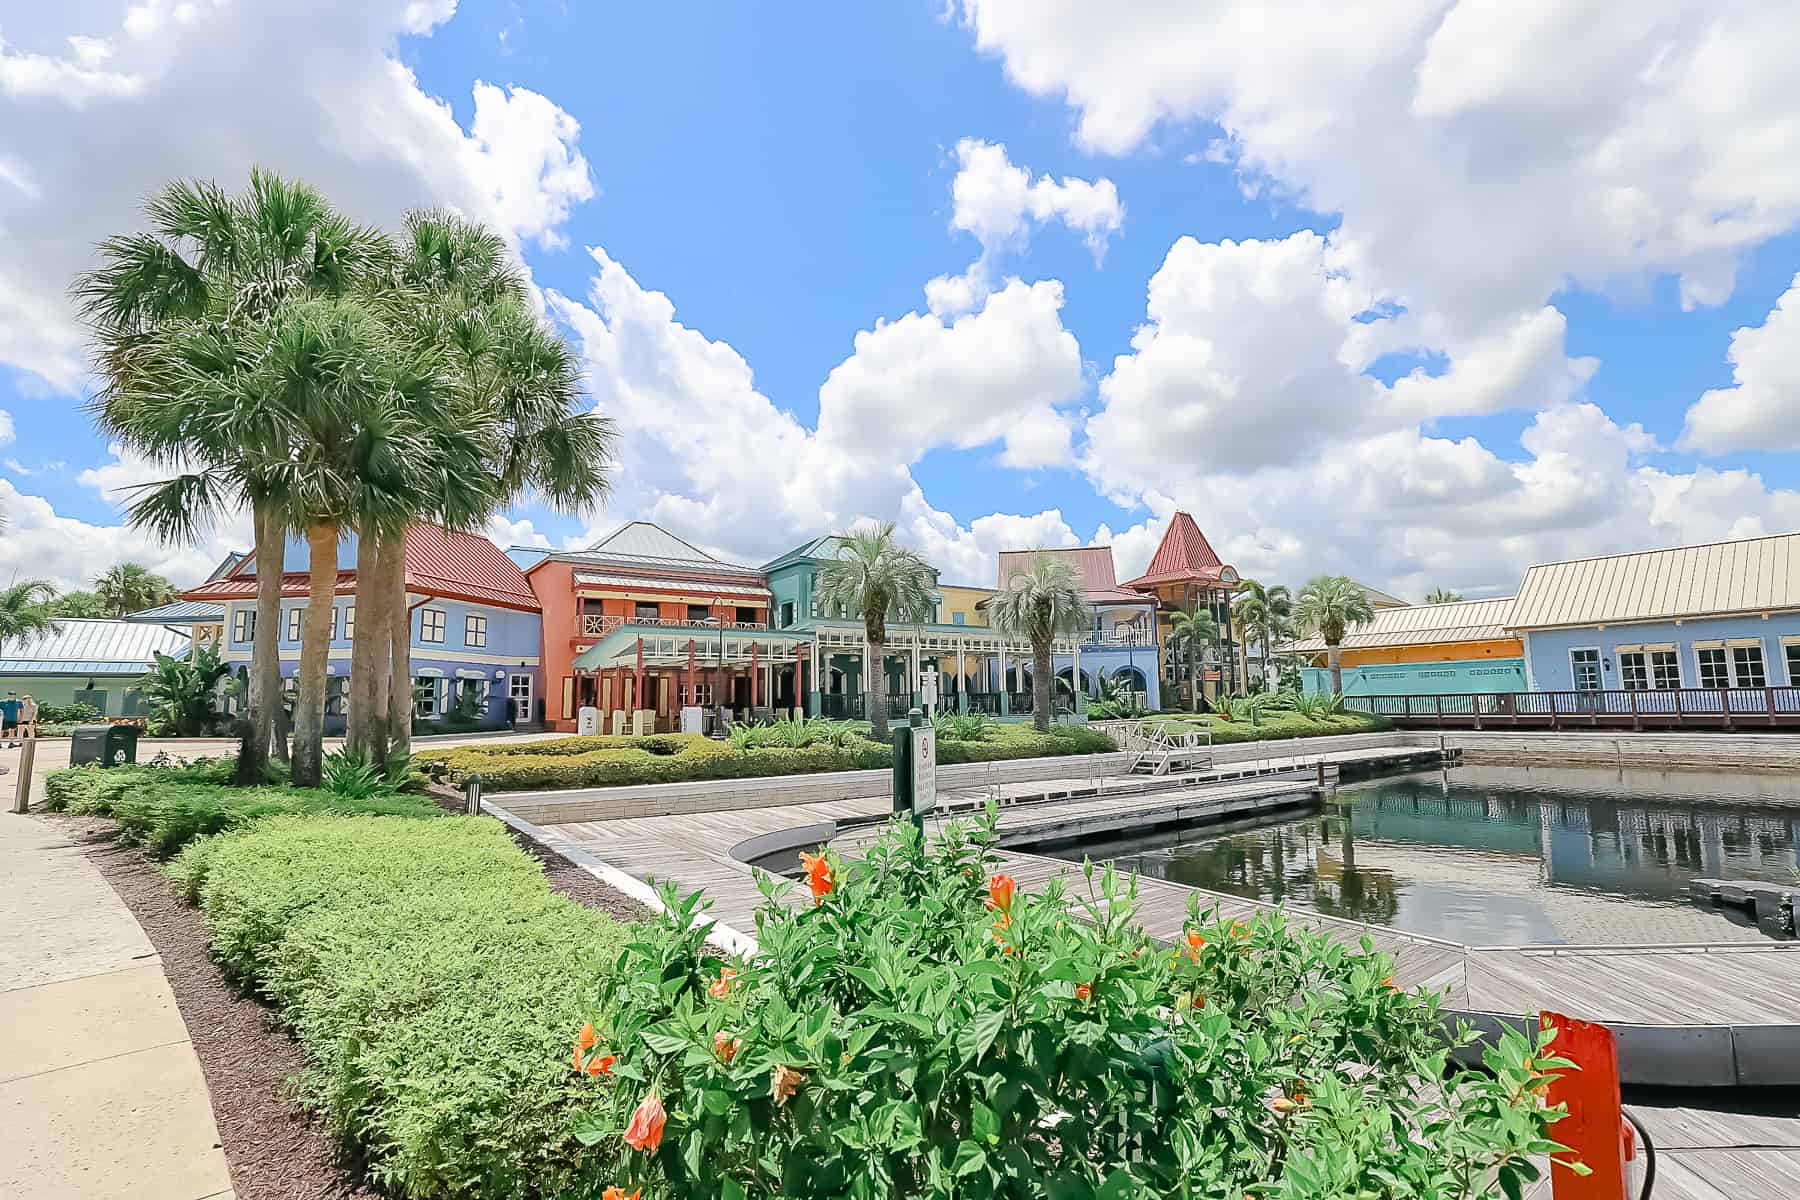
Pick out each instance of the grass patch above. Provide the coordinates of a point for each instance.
(581, 762)
(1274, 725)
(432, 979)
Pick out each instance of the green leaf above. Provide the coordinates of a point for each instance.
(975, 1038)
(970, 1158)
(730, 1189)
(983, 1124)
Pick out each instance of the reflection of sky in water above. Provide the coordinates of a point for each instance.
(1496, 856)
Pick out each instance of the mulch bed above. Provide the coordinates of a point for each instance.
(275, 1150)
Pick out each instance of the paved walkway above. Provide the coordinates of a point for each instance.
(101, 1094)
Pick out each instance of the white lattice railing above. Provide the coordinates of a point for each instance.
(597, 625)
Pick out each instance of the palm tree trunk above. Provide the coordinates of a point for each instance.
(1335, 657)
(315, 652)
(398, 619)
(259, 729)
(877, 690)
(360, 722)
(1043, 685)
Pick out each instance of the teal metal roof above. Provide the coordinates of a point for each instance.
(623, 641)
(816, 548)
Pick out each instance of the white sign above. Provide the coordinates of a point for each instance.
(924, 769)
(928, 689)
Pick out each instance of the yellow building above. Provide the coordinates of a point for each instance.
(958, 605)
(1417, 649)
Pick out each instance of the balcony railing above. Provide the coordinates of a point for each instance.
(1711, 708)
(1122, 635)
(596, 625)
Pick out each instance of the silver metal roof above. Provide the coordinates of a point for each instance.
(179, 612)
(641, 544)
(1751, 575)
(91, 647)
(1423, 624)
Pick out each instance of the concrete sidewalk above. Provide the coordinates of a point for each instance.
(101, 1094)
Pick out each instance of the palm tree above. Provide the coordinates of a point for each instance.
(877, 577)
(80, 604)
(491, 404)
(1040, 604)
(1263, 613)
(28, 608)
(1327, 606)
(1442, 596)
(182, 319)
(131, 587)
(1190, 632)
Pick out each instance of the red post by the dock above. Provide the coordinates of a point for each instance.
(1595, 1130)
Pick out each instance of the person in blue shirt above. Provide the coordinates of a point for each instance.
(9, 719)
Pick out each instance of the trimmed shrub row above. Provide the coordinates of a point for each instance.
(163, 809)
(433, 980)
(1276, 725)
(582, 762)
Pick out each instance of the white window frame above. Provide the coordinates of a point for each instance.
(1641, 670)
(1575, 675)
(243, 625)
(473, 634)
(434, 704)
(521, 694)
(431, 619)
(296, 622)
(1762, 658)
(1700, 666)
(1675, 658)
(334, 623)
(349, 622)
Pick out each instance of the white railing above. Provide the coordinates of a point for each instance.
(1123, 635)
(596, 625)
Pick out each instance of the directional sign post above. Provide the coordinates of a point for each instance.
(915, 768)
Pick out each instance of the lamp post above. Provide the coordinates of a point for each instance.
(718, 602)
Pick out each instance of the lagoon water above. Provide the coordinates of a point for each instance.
(1502, 855)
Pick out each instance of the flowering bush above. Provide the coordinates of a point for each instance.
(926, 1027)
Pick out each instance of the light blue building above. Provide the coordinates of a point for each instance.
(477, 634)
(1119, 643)
(1723, 617)
(1461, 647)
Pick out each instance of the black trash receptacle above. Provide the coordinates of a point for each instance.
(107, 745)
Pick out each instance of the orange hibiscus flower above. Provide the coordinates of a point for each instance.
(819, 877)
(1000, 892)
(784, 1083)
(721, 987)
(619, 1193)
(726, 1048)
(1083, 992)
(645, 1130)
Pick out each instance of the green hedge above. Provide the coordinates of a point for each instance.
(163, 809)
(1276, 724)
(434, 982)
(581, 762)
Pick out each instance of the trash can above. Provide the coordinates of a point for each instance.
(587, 721)
(107, 745)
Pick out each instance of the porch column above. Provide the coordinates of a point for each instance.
(1005, 696)
(1080, 693)
(817, 703)
(912, 682)
(754, 676)
(637, 693)
(962, 681)
(691, 694)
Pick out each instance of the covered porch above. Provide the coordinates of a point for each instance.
(641, 676)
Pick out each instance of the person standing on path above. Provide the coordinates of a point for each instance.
(28, 716)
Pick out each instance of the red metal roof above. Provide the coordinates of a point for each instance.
(1184, 553)
(1094, 564)
(439, 562)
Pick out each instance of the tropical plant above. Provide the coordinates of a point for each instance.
(1190, 632)
(1442, 596)
(1265, 615)
(1327, 606)
(1040, 603)
(1319, 705)
(352, 775)
(130, 587)
(28, 609)
(1241, 708)
(876, 578)
(962, 727)
(186, 321)
(183, 693)
(927, 1027)
(83, 605)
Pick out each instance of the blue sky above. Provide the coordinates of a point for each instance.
(786, 176)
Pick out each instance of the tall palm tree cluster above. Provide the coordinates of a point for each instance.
(335, 379)
(1040, 604)
(875, 577)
